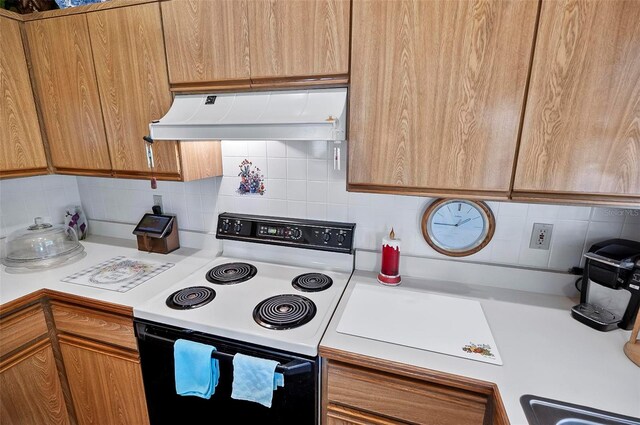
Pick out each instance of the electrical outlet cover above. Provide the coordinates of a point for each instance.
(541, 236)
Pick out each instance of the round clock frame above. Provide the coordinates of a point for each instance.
(487, 217)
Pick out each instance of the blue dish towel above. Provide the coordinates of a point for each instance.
(196, 372)
(255, 379)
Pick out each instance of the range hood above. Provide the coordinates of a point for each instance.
(317, 114)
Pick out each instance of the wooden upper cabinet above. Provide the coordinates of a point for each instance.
(21, 148)
(67, 92)
(437, 90)
(134, 89)
(299, 39)
(581, 131)
(207, 41)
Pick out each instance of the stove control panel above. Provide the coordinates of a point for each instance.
(311, 234)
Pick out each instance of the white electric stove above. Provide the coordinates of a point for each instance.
(276, 285)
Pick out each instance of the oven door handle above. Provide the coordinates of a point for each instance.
(294, 367)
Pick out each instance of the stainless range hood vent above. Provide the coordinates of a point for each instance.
(317, 114)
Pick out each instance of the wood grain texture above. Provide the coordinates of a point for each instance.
(581, 131)
(93, 7)
(340, 415)
(298, 38)
(21, 328)
(106, 388)
(97, 325)
(31, 392)
(67, 92)
(134, 88)
(201, 160)
(11, 15)
(21, 145)
(437, 90)
(401, 398)
(207, 41)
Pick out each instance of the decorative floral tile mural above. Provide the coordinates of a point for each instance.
(251, 179)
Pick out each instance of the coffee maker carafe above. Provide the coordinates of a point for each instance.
(610, 293)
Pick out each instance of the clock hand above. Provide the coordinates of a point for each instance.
(445, 224)
(462, 222)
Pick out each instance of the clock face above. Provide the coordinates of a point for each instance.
(458, 227)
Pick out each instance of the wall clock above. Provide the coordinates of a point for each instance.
(457, 227)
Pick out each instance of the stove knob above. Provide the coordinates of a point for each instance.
(326, 237)
(237, 227)
(225, 226)
(296, 233)
(341, 237)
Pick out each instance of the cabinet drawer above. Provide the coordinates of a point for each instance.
(402, 398)
(20, 328)
(105, 327)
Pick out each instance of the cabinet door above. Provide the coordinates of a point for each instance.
(106, 384)
(437, 89)
(581, 130)
(290, 39)
(21, 148)
(134, 89)
(207, 42)
(31, 392)
(68, 94)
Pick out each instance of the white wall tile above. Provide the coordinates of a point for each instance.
(632, 216)
(631, 231)
(513, 209)
(23, 199)
(278, 207)
(297, 149)
(318, 149)
(317, 210)
(276, 149)
(234, 148)
(296, 209)
(297, 190)
(301, 182)
(277, 168)
(256, 149)
(296, 168)
(612, 215)
(317, 191)
(317, 169)
(276, 188)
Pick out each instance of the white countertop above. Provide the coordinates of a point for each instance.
(99, 249)
(545, 351)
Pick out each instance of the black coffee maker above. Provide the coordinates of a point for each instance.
(610, 293)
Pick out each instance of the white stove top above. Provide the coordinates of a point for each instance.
(230, 313)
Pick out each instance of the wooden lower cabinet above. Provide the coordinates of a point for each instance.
(372, 391)
(106, 383)
(69, 360)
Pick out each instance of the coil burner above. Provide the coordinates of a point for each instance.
(284, 312)
(231, 273)
(192, 297)
(312, 282)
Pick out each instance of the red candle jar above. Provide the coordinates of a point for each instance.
(390, 268)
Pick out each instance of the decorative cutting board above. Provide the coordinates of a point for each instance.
(447, 325)
(119, 274)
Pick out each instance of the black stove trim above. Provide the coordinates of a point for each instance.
(310, 229)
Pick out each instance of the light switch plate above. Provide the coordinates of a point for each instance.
(541, 236)
(157, 200)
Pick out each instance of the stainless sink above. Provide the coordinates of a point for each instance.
(544, 411)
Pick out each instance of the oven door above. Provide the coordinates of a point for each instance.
(295, 403)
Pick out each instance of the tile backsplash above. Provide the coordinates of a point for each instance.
(300, 182)
(23, 199)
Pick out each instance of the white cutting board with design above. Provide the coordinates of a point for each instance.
(422, 320)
